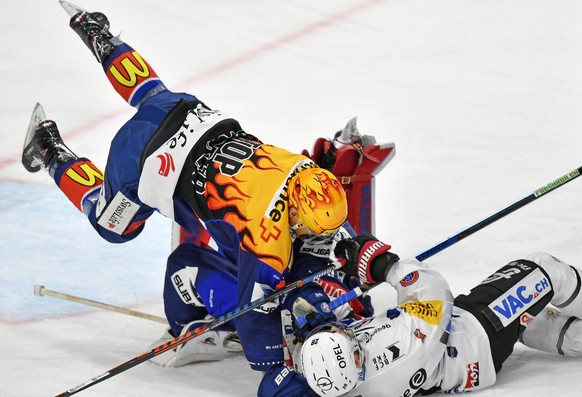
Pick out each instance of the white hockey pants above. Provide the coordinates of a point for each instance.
(558, 328)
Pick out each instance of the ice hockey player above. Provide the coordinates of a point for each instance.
(196, 166)
(355, 160)
(184, 299)
(432, 342)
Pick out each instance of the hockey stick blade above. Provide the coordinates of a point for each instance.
(239, 311)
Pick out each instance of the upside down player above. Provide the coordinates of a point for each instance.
(432, 342)
(188, 287)
(198, 167)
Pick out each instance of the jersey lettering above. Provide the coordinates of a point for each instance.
(284, 372)
(383, 359)
(119, 213)
(429, 311)
(472, 375)
(231, 156)
(415, 382)
(520, 297)
(183, 281)
(506, 274)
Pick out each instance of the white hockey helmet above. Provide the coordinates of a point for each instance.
(331, 360)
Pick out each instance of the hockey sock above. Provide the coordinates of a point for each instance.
(80, 180)
(130, 75)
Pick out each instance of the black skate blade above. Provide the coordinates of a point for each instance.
(71, 8)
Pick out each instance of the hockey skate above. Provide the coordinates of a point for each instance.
(43, 142)
(210, 346)
(92, 28)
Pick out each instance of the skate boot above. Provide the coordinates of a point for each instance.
(43, 143)
(93, 28)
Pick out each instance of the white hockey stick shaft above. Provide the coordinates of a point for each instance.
(40, 290)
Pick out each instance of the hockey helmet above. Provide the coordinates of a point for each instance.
(331, 360)
(320, 200)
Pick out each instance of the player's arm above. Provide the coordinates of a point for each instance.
(414, 281)
(417, 286)
(425, 302)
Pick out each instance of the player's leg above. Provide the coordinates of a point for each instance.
(566, 283)
(197, 278)
(500, 302)
(43, 144)
(132, 78)
(508, 302)
(44, 148)
(552, 332)
(197, 288)
(559, 329)
(130, 75)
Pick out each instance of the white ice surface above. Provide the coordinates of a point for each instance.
(483, 99)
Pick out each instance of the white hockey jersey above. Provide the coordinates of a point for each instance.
(425, 344)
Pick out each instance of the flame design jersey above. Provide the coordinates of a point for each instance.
(197, 167)
(250, 194)
(201, 162)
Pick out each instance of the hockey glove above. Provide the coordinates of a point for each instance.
(365, 257)
(309, 306)
(282, 381)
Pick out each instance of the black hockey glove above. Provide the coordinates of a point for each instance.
(365, 257)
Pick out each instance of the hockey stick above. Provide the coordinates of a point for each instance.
(561, 181)
(40, 290)
(239, 311)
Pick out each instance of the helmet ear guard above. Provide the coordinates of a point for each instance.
(320, 200)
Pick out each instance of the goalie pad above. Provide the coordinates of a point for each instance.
(355, 160)
(209, 346)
